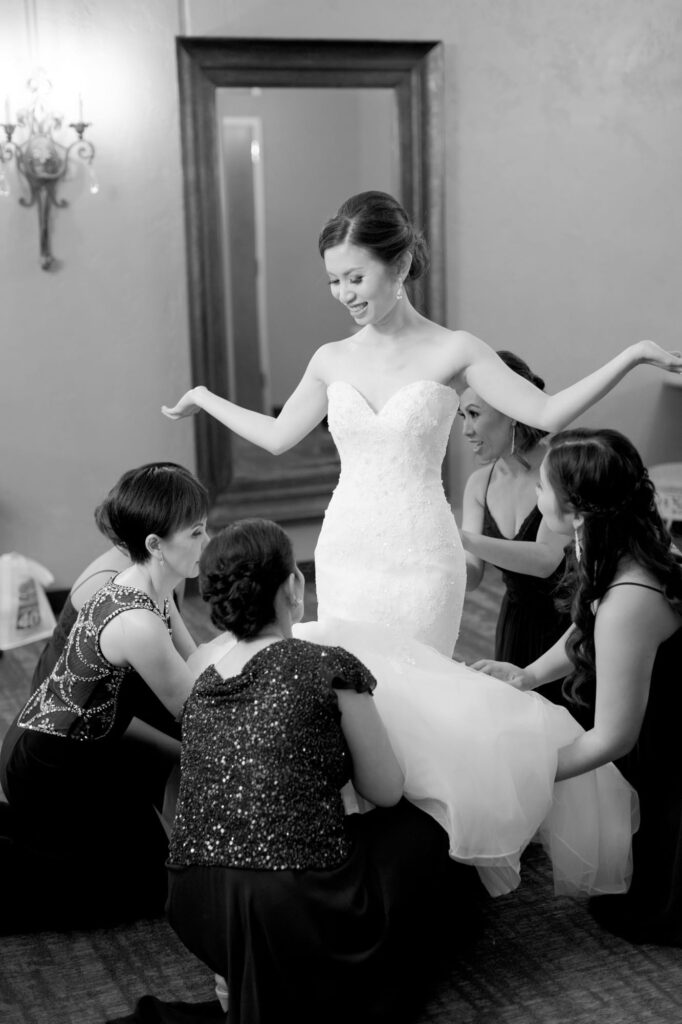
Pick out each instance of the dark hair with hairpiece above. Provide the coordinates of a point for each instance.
(240, 571)
(525, 437)
(377, 222)
(600, 475)
(159, 497)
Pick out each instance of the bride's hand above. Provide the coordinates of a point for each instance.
(506, 672)
(187, 406)
(651, 353)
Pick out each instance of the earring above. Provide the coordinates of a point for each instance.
(400, 291)
(577, 546)
(513, 441)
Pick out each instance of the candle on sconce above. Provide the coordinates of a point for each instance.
(8, 119)
(80, 108)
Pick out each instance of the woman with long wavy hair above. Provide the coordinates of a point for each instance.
(625, 581)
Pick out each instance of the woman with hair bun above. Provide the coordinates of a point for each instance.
(309, 914)
(86, 844)
(625, 649)
(390, 392)
(503, 526)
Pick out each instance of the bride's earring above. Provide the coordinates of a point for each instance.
(400, 291)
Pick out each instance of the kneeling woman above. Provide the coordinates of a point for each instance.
(626, 646)
(87, 845)
(309, 915)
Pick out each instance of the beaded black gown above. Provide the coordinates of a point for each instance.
(88, 848)
(147, 706)
(310, 915)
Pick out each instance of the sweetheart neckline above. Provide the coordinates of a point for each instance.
(390, 398)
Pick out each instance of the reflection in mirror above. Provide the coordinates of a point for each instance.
(276, 135)
(283, 174)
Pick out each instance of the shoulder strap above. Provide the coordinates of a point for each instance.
(656, 590)
(98, 572)
(487, 485)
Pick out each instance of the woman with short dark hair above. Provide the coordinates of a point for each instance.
(88, 846)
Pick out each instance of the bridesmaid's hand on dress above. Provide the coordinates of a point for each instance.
(650, 353)
(187, 406)
(506, 672)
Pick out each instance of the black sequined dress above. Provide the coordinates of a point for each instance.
(310, 915)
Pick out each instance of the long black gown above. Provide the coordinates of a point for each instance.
(529, 623)
(651, 911)
(85, 846)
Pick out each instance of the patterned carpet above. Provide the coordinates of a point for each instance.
(532, 958)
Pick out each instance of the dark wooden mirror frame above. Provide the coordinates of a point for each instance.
(414, 70)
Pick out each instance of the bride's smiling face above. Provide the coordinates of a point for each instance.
(367, 287)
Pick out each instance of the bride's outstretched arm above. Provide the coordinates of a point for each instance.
(306, 407)
(507, 391)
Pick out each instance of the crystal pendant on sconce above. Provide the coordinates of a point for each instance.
(93, 180)
(4, 184)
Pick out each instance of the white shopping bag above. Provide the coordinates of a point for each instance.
(25, 612)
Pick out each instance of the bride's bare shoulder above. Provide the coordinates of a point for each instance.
(457, 338)
(456, 351)
(328, 358)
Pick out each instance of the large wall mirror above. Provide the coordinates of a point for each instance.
(276, 134)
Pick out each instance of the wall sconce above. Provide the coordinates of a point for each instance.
(40, 159)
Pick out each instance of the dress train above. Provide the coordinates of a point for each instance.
(480, 757)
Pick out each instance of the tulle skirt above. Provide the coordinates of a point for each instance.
(480, 757)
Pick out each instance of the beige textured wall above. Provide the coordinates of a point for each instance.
(90, 351)
(564, 158)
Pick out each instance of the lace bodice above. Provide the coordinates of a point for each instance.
(389, 550)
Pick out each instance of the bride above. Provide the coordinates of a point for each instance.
(390, 567)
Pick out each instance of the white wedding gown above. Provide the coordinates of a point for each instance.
(478, 755)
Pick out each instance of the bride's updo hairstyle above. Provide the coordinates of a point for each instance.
(377, 222)
(599, 475)
(240, 571)
(159, 497)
